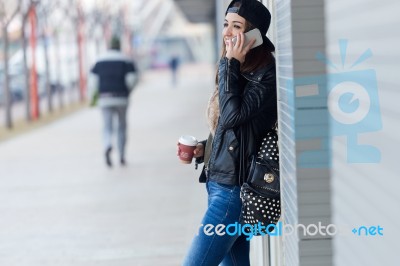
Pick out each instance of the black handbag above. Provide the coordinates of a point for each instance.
(260, 192)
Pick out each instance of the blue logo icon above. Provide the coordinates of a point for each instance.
(345, 103)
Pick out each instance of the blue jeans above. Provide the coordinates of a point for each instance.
(224, 206)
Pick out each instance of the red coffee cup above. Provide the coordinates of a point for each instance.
(187, 144)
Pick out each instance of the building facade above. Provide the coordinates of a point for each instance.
(337, 81)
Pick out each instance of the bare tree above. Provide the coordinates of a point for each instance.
(25, 8)
(44, 8)
(63, 7)
(95, 20)
(6, 16)
(77, 17)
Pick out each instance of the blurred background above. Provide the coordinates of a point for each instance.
(337, 73)
(50, 45)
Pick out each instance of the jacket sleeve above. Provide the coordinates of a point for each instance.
(131, 76)
(93, 84)
(238, 104)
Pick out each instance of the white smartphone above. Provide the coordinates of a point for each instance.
(250, 35)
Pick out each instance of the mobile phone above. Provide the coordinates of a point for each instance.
(250, 35)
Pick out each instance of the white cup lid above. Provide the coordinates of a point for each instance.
(188, 140)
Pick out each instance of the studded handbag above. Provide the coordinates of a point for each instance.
(260, 192)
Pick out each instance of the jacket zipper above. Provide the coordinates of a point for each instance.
(251, 80)
(212, 155)
(227, 71)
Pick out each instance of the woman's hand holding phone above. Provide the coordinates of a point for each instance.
(252, 34)
(238, 50)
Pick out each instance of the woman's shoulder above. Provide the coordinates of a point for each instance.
(266, 72)
(270, 68)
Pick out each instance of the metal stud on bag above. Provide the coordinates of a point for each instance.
(269, 178)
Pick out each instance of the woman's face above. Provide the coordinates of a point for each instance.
(233, 25)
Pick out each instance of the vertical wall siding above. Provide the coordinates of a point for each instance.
(300, 32)
(311, 129)
(368, 193)
(284, 56)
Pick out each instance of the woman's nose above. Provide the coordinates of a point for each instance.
(227, 31)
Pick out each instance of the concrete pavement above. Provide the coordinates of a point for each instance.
(60, 204)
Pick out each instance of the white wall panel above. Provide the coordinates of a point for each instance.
(367, 193)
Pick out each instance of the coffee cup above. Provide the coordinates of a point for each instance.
(187, 144)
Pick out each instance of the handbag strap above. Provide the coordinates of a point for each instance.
(242, 164)
(244, 141)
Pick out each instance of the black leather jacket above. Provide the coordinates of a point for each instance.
(248, 109)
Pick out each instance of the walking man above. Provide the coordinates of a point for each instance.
(112, 79)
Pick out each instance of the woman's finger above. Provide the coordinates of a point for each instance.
(178, 150)
(240, 40)
(229, 44)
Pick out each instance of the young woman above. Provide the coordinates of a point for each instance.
(242, 109)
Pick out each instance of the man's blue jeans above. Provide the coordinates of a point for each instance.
(224, 206)
(108, 115)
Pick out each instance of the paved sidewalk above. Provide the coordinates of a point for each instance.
(60, 204)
